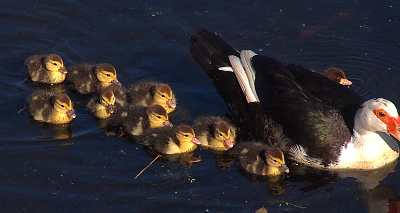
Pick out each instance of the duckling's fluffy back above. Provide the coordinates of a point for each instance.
(82, 78)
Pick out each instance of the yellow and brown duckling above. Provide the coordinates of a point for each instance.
(103, 104)
(166, 140)
(135, 119)
(261, 159)
(147, 93)
(215, 132)
(88, 79)
(51, 108)
(48, 69)
(119, 94)
(337, 75)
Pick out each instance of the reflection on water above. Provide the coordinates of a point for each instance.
(89, 171)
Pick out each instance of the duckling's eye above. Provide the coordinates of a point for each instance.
(275, 160)
(186, 135)
(55, 64)
(159, 117)
(62, 105)
(108, 75)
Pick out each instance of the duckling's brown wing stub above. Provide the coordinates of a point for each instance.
(82, 78)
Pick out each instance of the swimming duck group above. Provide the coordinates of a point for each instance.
(143, 111)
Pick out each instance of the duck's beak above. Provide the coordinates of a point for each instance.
(345, 82)
(115, 81)
(393, 127)
(168, 124)
(285, 168)
(111, 108)
(229, 143)
(71, 113)
(63, 70)
(195, 141)
(171, 103)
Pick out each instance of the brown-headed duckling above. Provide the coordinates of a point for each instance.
(102, 105)
(215, 132)
(88, 79)
(261, 159)
(48, 69)
(51, 108)
(147, 93)
(336, 74)
(166, 140)
(135, 119)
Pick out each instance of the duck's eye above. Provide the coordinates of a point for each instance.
(381, 114)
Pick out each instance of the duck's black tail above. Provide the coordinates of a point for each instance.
(211, 53)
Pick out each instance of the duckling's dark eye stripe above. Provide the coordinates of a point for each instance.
(105, 73)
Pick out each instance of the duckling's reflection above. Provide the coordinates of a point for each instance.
(224, 159)
(187, 160)
(61, 131)
(275, 184)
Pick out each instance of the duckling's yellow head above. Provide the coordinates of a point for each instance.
(274, 157)
(54, 63)
(185, 133)
(107, 99)
(107, 74)
(222, 132)
(163, 94)
(62, 103)
(158, 116)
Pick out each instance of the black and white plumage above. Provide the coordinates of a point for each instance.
(314, 120)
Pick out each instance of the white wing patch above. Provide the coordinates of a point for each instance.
(244, 73)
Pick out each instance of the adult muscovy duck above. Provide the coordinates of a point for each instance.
(314, 120)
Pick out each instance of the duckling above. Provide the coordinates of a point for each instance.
(261, 159)
(336, 74)
(165, 140)
(136, 119)
(147, 93)
(215, 132)
(88, 79)
(103, 104)
(51, 108)
(48, 69)
(119, 94)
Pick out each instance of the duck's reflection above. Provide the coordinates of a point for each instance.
(376, 198)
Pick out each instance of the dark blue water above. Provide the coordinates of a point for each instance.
(92, 172)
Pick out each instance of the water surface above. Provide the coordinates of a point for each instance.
(149, 40)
